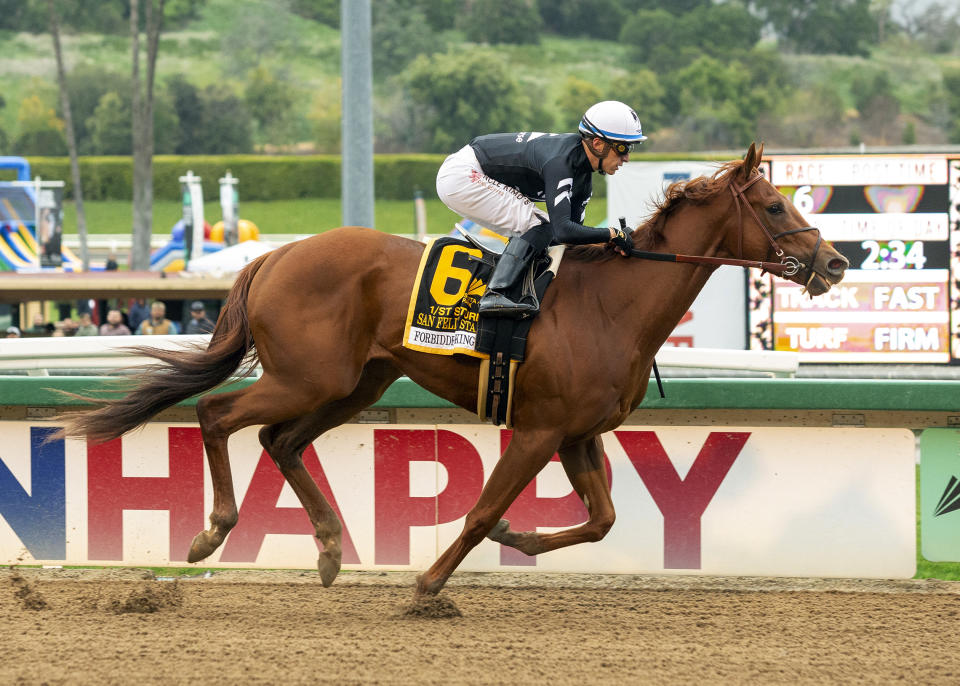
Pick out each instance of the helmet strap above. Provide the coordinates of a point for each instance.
(600, 157)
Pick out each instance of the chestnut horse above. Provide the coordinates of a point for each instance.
(325, 317)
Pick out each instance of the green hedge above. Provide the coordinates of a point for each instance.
(396, 177)
(265, 178)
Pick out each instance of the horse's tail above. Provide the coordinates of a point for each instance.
(179, 375)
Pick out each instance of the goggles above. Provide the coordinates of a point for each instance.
(619, 147)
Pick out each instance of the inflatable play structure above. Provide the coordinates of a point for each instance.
(192, 237)
(171, 257)
(31, 223)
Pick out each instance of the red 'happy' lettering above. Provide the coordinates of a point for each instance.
(682, 502)
(395, 510)
(109, 493)
(259, 514)
(529, 511)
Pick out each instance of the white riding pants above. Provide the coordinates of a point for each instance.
(465, 189)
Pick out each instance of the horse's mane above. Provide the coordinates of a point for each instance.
(648, 235)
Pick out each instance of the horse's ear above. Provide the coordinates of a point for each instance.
(750, 160)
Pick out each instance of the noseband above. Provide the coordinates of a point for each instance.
(792, 264)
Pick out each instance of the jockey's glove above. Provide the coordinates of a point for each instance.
(622, 241)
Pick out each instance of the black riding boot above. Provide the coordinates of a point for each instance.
(510, 269)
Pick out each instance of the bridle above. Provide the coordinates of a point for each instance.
(788, 264)
(791, 264)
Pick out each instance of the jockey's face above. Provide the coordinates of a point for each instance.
(605, 156)
(613, 160)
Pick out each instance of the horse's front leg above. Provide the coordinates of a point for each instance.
(528, 453)
(584, 465)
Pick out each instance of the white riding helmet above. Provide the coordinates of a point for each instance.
(612, 121)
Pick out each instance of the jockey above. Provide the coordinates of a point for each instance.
(495, 180)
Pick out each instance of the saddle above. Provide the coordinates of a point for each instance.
(504, 340)
(443, 317)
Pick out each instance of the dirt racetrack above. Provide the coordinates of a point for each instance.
(238, 627)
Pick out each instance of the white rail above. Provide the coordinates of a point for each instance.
(38, 356)
(775, 363)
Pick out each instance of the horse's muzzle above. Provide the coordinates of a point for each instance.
(836, 266)
(828, 270)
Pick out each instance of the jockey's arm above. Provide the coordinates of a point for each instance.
(558, 184)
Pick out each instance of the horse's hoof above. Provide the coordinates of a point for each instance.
(329, 566)
(426, 587)
(497, 532)
(200, 548)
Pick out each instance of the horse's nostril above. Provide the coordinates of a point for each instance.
(837, 265)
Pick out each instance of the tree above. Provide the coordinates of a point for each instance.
(502, 21)
(675, 6)
(594, 18)
(664, 41)
(843, 27)
(188, 108)
(269, 100)
(400, 33)
(211, 121)
(324, 11)
(880, 9)
(646, 30)
(110, 126)
(809, 117)
(142, 106)
(951, 84)
(935, 26)
(576, 95)
(440, 14)
(642, 90)
(18, 15)
(714, 107)
(86, 85)
(226, 123)
(877, 104)
(459, 96)
(71, 139)
(325, 115)
(259, 32)
(40, 131)
(4, 138)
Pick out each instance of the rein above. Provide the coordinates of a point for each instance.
(787, 266)
(778, 268)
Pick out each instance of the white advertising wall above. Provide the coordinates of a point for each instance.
(717, 318)
(835, 502)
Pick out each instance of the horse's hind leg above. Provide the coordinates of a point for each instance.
(286, 441)
(527, 454)
(270, 400)
(584, 465)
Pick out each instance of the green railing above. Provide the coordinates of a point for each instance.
(681, 394)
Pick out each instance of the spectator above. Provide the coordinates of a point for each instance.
(139, 312)
(87, 327)
(157, 324)
(68, 327)
(111, 264)
(13, 332)
(114, 325)
(199, 322)
(40, 327)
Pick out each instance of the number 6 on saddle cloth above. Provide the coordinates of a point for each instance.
(443, 316)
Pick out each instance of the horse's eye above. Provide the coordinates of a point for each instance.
(775, 208)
